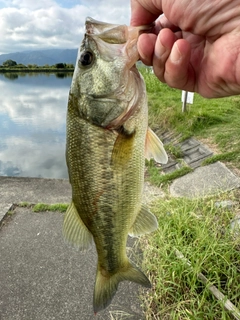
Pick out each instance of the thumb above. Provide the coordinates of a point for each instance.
(144, 12)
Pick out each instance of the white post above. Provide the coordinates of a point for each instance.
(187, 97)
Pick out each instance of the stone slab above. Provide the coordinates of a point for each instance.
(204, 181)
(188, 144)
(193, 154)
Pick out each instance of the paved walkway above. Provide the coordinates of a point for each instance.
(41, 277)
(44, 279)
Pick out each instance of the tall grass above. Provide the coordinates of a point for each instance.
(202, 233)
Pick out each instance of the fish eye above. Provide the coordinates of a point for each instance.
(86, 59)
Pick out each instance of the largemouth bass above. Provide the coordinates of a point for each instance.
(107, 141)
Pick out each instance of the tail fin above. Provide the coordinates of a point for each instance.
(106, 285)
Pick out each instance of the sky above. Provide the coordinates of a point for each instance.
(48, 24)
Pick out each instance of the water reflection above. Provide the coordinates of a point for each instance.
(32, 125)
(11, 75)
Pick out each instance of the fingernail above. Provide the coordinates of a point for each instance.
(159, 51)
(175, 55)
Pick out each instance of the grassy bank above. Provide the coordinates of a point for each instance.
(214, 121)
(201, 231)
(194, 237)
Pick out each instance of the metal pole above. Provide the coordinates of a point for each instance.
(184, 105)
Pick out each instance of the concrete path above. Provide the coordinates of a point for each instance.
(41, 277)
(32, 190)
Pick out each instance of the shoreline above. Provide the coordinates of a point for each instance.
(29, 70)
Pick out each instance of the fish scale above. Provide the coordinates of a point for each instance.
(107, 131)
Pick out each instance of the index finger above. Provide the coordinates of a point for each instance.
(144, 12)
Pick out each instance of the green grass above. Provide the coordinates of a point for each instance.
(156, 177)
(228, 156)
(10, 212)
(39, 207)
(24, 204)
(174, 150)
(61, 207)
(217, 120)
(201, 232)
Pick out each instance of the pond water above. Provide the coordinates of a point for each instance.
(32, 124)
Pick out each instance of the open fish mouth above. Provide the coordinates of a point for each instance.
(105, 99)
(119, 33)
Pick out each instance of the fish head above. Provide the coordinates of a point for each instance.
(105, 79)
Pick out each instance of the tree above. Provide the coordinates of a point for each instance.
(9, 63)
(60, 65)
(20, 65)
(69, 66)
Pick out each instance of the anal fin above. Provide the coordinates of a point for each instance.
(74, 230)
(145, 222)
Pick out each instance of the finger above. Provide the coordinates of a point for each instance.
(163, 22)
(178, 71)
(146, 45)
(162, 50)
(143, 12)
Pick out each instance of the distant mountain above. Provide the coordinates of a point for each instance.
(42, 57)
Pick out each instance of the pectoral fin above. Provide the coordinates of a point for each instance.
(145, 222)
(154, 148)
(74, 230)
(122, 151)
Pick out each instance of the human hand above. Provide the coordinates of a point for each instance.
(195, 46)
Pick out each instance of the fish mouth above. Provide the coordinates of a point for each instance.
(105, 100)
(114, 40)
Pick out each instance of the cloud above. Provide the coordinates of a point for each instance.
(27, 24)
(32, 4)
(25, 158)
(25, 109)
(33, 121)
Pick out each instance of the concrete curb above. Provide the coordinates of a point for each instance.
(4, 208)
(206, 180)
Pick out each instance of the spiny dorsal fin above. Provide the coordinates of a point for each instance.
(145, 222)
(154, 148)
(74, 230)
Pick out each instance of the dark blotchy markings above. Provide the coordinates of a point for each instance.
(107, 215)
